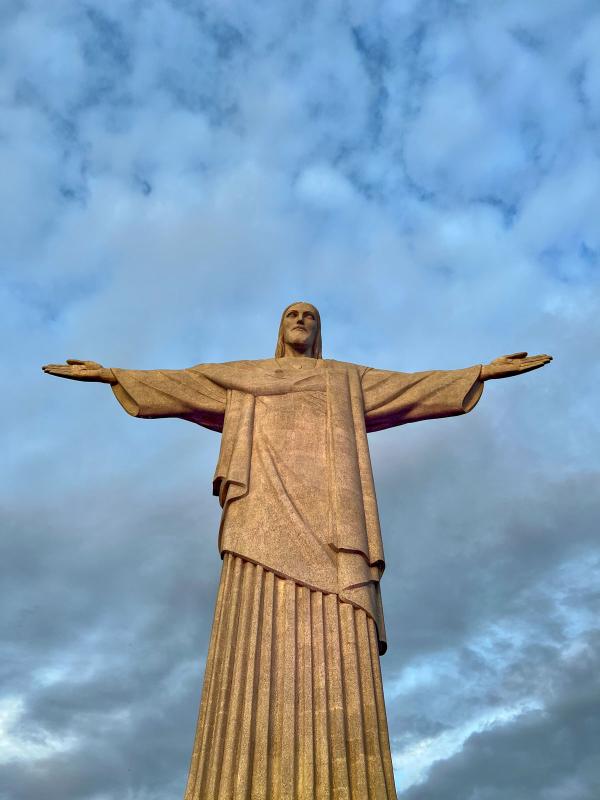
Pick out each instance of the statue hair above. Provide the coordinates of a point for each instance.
(317, 347)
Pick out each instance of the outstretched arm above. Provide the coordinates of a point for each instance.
(153, 394)
(514, 364)
(395, 398)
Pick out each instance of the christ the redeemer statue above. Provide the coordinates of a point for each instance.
(292, 706)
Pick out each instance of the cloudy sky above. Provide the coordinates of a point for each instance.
(427, 172)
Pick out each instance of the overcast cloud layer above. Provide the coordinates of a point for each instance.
(427, 173)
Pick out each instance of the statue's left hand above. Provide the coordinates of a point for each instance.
(77, 370)
(514, 364)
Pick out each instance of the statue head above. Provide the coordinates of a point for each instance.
(300, 329)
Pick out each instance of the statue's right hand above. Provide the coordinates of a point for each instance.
(77, 370)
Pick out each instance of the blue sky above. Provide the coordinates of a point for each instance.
(175, 173)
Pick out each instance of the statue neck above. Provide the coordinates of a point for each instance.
(291, 352)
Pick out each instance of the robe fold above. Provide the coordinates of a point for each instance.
(292, 675)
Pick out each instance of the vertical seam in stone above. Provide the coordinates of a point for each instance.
(344, 701)
(384, 741)
(245, 740)
(361, 699)
(309, 749)
(375, 764)
(337, 715)
(321, 737)
(213, 771)
(276, 709)
(260, 759)
(240, 645)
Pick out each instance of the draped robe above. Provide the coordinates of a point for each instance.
(292, 703)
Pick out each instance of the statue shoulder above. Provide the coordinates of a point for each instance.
(248, 364)
(344, 366)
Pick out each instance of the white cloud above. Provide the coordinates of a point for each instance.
(324, 187)
(173, 175)
(15, 746)
(412, 763)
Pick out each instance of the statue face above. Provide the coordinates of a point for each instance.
(300, 326)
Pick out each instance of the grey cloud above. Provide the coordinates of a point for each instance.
(543, 754)
(104, 638)
(175, 174)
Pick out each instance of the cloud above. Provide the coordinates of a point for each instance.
(545, 753)
(174, 174)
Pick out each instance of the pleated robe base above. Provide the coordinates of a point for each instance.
(292, 706)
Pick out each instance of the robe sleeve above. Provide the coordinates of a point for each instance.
(395, 398)
(183, 393)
